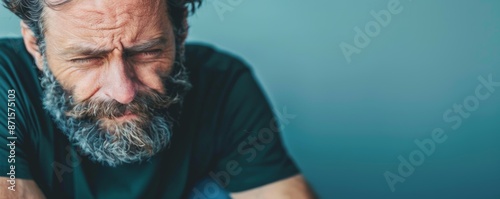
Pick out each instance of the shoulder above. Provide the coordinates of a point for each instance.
(216, 75)
(12, 51)
(19, 75)
(16, 64)
(18, 71)
(218, 78)
(9, 44)
(203, 60)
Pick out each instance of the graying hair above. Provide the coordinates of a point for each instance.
(118, 143)
(57, 100)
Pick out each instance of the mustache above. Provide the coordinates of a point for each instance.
(145, 104)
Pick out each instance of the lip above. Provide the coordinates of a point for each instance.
(128, 115)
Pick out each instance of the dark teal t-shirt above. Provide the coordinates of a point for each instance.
(226, 131)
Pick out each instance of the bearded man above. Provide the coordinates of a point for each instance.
(109, 102)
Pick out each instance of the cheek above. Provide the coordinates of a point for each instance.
(84, 84)
(152, 77)
(81, 83)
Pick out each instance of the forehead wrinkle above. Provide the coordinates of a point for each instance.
(86, 49)
(109, 12)
(118, 24)
(99, 20)
(119, 14)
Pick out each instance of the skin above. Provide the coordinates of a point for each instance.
(129, 47)
(293, 187)
(24, 189)
(110, 50)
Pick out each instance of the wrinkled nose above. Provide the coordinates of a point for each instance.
(119, 83)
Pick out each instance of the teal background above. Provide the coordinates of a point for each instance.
(355, 119)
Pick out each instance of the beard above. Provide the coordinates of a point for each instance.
(90, 125)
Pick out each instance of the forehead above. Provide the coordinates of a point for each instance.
(107, 21)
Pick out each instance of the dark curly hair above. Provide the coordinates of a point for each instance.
(30, 11)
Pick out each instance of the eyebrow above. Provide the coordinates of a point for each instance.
(89, 50)
(161, 41)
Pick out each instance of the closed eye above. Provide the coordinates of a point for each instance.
(85, 60)
(151, 53)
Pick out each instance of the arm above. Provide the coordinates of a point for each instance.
(24, 189)
(292, 187)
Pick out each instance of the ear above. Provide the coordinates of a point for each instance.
(31, 46)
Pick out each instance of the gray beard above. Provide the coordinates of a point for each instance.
(118, 143)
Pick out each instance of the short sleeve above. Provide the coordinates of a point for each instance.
(14, 138)
(253, 152)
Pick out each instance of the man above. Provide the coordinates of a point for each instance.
(106, 101)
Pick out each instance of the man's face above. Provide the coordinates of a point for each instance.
(106, 74)
(109, 50)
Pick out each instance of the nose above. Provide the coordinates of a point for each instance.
(119, 83)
